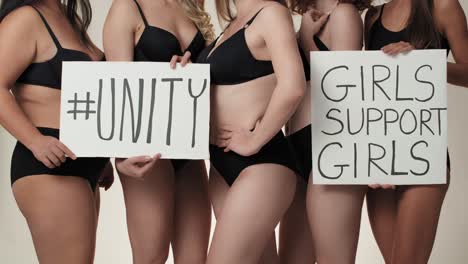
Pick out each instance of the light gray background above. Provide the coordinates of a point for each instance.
(113, 246)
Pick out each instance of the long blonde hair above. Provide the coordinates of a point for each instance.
(195, 11)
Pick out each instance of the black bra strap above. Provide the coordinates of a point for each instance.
(253, 18)
(381, 12)
(54, 38)
(141, 13)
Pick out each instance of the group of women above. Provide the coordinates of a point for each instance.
(259, 176)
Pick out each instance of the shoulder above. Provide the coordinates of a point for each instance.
(123, 13)
(442, 6)
(448, 12)
(344, 12)
(122, 7)
(345, 16)
(24, 19)
(274, 11)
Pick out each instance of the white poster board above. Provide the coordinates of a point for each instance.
(124, 109)
(379, 119)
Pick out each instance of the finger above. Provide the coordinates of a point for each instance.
(59, 153)
(224, 134)
(66, 150)
(227, 149)
(222, 143)
(139, 159)
(185, 58)
(373, 186)
(388, 47)
(173, 61)
(315, 14)
(53, 159)
(145, 168)
(157, 157)
(47, 163)
(322, 20)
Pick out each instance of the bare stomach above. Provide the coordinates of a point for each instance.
(40, 104)
(240, 106)
(302, 117)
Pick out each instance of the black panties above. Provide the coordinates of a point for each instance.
(230, 164)
(23, 163)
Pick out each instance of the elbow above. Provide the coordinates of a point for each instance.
(297, 89)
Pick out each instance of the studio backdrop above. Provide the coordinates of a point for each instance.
(112, 240)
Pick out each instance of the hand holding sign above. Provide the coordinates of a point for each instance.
(136, 167)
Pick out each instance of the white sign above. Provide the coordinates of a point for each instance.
(379, 119)
(124, 109)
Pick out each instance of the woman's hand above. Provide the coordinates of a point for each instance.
(316, 20)
(107, 177)
(183, 60)
(394, 49)
(382, 186)
(136, 167)
(50, 151)
(241, 141)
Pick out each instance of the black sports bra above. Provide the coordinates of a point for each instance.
(49, 73)
(379, 36)
(232, 62)
(159, 45)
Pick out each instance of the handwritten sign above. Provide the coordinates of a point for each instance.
(379, 119)
(123, 109)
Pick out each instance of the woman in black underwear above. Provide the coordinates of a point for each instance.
(170, 204)
(258, 82)
(326, 25)
(405, 219)
(54, 190)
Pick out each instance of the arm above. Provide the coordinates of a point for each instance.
(369, 20)
(454, 25)
(119, 31)
(119, 43)
(346, 29)
(290, 86)
(18, 33)
(312, 23)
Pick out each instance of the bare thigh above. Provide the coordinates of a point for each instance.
(416, 224)
(382, 211)
(218, 192)
(150, 209)
(335, 216)
(61, 215)
(252, 208)
(296, 246)
(192, 214)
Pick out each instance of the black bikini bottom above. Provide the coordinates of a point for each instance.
(178, 164)
(23, 163)
(230, 164)
(301, 144)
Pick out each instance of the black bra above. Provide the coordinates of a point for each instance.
(159, 45)
(232, 62)
(379, 36)
(49, 73)
(305, 63)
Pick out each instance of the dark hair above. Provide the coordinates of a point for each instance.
(80, 23)
(223, 8)
(301, 6)
(421, 29)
